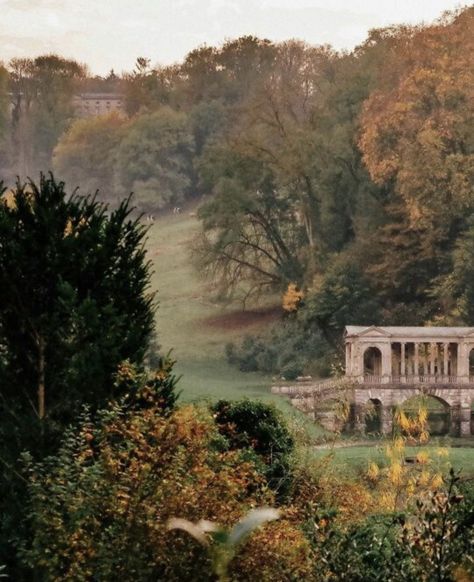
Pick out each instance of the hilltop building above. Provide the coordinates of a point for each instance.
(92, 104)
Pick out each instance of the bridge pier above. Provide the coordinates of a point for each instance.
(358, 418)
(465, 422)
(387, 420)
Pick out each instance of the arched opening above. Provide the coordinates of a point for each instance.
(373, 416)
(439, 412)
(372, 362)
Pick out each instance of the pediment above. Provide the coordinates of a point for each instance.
(470, 334)
(374, 331)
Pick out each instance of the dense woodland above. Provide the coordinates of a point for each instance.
(328, 170)
(340, 181)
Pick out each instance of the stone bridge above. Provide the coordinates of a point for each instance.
(387, 366)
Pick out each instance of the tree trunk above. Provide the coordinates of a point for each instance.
(41, 378)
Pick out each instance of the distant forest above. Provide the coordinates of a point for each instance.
(344, 177)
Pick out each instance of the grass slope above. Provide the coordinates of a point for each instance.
(196, 327)
(187, 314)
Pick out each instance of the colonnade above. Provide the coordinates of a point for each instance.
(410, 362)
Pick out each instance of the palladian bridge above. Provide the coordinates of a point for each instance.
(386, 366)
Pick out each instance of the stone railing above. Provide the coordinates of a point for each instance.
(369, 379)
(317, 386)
(411, 379)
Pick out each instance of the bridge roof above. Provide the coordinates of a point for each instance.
(414, 332)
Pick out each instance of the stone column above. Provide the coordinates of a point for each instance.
(432, 358)
(463, 363)
(445, 360)
(348, 359)
(386, 350)
(416, 371)
(402, 362)
(465, 421)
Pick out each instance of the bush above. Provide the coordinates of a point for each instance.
(146, 389)
(278, 552)
(290, 349)
(98, 509)
(261, 429)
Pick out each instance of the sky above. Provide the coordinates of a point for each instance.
(113, 33)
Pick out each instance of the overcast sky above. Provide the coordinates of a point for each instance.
(111, 34)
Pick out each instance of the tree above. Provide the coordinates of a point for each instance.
(4, 119)
(417, 129)
(155, 159)
(453, 291)
(343, 295)
(87, 154)
(42, 90)
(75, 302)
(250, 234)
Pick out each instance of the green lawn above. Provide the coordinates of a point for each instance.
(186, 304)
(353, 460)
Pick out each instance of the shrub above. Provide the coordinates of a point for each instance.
(145, 389)
(280, 551)
(98, 509)
(260, 428)
(289, 349)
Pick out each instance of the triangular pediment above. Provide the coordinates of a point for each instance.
(470, 334)
(374, 331)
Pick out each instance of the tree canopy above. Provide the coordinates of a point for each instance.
(75, 300)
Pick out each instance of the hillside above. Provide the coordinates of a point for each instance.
(194, 325)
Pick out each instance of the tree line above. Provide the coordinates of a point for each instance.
(327, 170)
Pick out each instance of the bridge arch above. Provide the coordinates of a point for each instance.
(440, 411)
(373, 416)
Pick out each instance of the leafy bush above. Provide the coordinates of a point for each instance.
(370, 551)
(289, 349)
(145, 389)
(280, 551)
(260, 428)
(98, 509)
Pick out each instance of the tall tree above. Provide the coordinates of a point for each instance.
(42, 90)
(250, 234)
(4, 119)
(87, 154)
(75, 300)
(417, 128)
(155, 159)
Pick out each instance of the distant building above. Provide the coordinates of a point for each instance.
(92, 104)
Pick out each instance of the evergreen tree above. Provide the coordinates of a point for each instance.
(75, 301)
